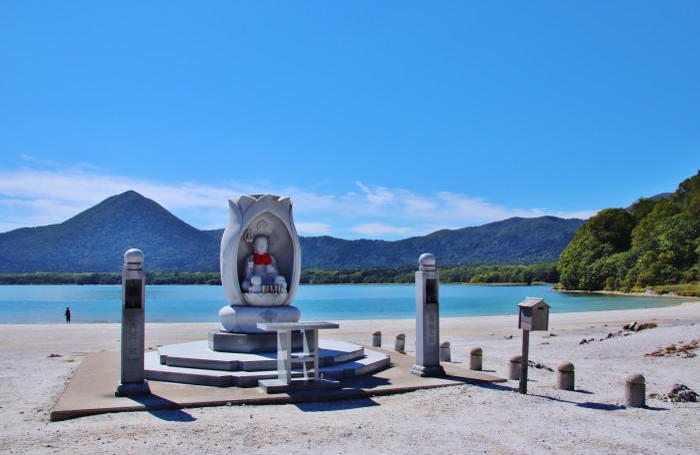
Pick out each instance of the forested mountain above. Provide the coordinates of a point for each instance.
(653, 242)
(95, 241)
(512, 241)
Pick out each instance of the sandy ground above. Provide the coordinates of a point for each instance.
(459, 419)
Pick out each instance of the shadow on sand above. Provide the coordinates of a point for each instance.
(339, 405)
(164, 409)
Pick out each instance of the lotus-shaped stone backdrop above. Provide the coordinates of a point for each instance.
(260, 263)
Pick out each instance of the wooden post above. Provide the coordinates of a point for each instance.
(523, 366)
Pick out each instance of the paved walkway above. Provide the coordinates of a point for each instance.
(91, 389)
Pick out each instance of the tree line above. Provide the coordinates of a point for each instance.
(652, 243)
(468, 274)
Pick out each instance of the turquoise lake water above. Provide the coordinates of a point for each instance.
(46, 304)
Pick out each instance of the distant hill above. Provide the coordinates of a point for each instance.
(511, 241)
(95, 241)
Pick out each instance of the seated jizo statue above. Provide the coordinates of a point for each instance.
(260, 263)
(261, 274)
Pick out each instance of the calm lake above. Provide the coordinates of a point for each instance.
(46, 304)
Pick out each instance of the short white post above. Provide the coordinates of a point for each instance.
(476, 356)
(565, 375)
(635, 389)
(445, 355)
(377, 339)
(400, 343)
(515, 362)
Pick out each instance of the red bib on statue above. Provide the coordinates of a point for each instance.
(262, 259)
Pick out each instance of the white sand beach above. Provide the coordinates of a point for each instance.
(458, 419)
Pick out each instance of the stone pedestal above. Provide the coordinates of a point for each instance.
(245, 319)
(222, 341)
(133, 389)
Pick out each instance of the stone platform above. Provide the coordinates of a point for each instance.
(91, 388)
(196, 363)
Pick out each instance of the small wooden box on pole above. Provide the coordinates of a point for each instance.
(533, 315)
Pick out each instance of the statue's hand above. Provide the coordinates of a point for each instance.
(280, 281)
(256, 281)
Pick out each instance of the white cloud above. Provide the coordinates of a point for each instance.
(44, 193)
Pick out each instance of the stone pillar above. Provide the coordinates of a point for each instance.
(514, 367)
(476, 356)
(565, 375)
(377, 339)
(427, 318)
(445, 355)
(400, 343)
(133, 381)
(635, 390)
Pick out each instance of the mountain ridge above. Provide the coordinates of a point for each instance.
(94, 241)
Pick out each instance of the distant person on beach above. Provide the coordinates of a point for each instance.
(67, 315)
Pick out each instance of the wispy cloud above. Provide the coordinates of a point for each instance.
(45, 192)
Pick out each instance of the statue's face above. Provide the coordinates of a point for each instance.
(260, 245)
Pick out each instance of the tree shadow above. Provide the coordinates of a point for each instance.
(164, 409)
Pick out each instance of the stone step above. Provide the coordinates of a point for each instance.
(197, 354)
(370, 363)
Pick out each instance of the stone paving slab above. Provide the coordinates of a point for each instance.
(91, 389)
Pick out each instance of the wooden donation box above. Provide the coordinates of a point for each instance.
(534, 314)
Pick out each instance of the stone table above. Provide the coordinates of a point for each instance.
(284, 353)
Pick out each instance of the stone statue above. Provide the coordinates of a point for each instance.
(260, 263)
(261, 275)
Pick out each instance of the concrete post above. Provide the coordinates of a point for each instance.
(514, 363)
(476, 356)
(400, 343)
(565, 375)
(133, 326)
(427, 318)
(445, 355)
(635, 390)
(377, 339)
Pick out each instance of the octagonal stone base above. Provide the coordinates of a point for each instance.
(249, 342)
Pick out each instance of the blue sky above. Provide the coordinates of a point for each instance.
(380, 119)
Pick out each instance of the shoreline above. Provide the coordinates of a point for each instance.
(634, 294)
